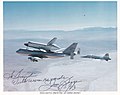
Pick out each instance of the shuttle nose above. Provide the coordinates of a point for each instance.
(26, 44)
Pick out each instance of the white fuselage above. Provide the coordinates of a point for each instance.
(42, 46)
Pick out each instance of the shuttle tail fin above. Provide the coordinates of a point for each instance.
(52, 41)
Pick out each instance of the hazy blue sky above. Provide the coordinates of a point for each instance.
(58, 15)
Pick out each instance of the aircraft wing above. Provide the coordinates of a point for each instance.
(52, 41)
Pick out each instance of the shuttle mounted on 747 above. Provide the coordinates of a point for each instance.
(49, 47)
(42, 54)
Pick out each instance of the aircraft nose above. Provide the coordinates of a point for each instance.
(17, 51)
(26, 44)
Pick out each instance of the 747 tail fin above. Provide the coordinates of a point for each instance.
(70, 49)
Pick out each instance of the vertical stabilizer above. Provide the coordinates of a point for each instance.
(70, 49)
(52, 41)
(106, 57)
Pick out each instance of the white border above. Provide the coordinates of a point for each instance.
(37, 93)
(1, 46)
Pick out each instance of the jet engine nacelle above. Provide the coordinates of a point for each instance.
(32, 59)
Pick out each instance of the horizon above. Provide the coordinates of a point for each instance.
(62, 30)
(58, 15)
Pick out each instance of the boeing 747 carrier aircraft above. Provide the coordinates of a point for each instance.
(42, 54)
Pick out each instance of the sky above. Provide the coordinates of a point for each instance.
(59, 15)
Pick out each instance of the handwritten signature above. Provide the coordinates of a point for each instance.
(19, 77)
(61, 83)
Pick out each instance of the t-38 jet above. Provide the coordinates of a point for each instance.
(105, 57)
(44, 54)
(49, 47)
